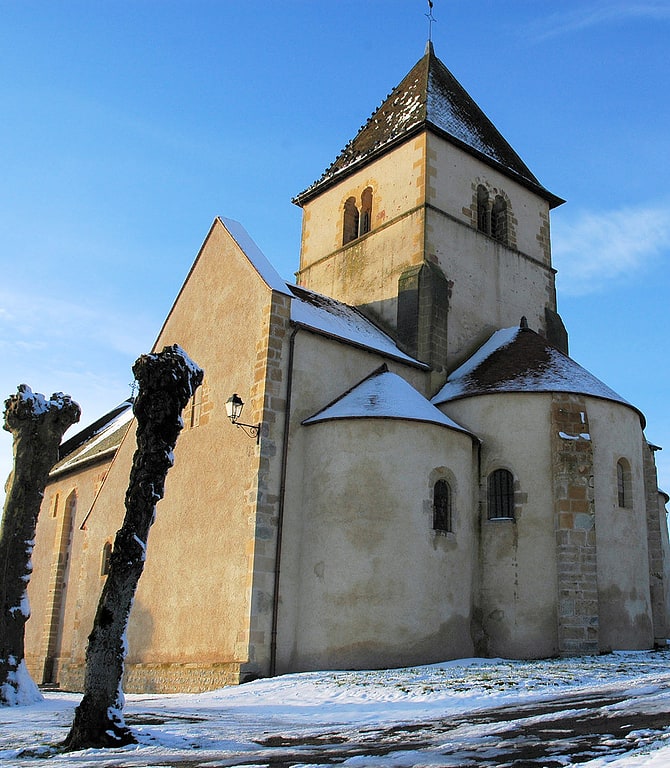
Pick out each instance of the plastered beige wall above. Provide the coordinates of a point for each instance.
(452, 178)
(193, 603)
(492, 286)
(398, 186)
(518, 587)
(324, 369)
(621, 533)
(370, 583)
(46, 555)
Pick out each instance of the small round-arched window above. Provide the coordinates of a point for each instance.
(501, 495)
(442, 506)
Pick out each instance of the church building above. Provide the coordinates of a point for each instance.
(420, 471)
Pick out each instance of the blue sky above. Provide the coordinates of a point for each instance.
(128, 126)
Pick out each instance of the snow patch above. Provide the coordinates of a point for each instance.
(340, 321)
(257, 258)
(581, 436)
(20, 689)
(384, 395)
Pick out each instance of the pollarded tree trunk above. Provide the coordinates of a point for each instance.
(37, 425)
(166, 382)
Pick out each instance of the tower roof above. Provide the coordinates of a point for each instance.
(429, 98)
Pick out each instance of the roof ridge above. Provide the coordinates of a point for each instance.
(428, 97)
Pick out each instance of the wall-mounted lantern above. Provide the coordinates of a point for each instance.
(234, 405)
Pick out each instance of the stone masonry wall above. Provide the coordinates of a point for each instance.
(574, 517)
(162, 678)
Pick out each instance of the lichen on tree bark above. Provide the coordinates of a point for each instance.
(37, 426)
(166, 381)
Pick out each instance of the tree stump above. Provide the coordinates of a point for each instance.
(37, 426)
(166, 382)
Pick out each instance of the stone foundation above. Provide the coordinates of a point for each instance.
(166, 678)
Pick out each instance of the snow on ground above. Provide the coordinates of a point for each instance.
(287, 717)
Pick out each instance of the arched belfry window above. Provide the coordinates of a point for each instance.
(442, 506)
(499, 219)
(351, 218)
(623, 481)
(483, 209)
(501, 495)
(366, 212)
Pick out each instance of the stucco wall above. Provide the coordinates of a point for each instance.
(452, 179)
(518, 587)
(492, 286)
(374, 584)
(397, 182)
(621, 533)
(54, 563)
(326, 466)
(190, 624)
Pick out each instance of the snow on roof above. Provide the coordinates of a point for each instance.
(100, 442)
(257, 258)
(384, 395)
(430, 96)
(316, 312)
(340, 321)
(520, 360)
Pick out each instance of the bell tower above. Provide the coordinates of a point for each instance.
(431, 224)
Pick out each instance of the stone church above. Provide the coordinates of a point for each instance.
(420, 471)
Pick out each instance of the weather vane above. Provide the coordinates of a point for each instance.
(431, 19)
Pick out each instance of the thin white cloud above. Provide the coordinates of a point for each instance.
(595, 249)
(32, 322)
(596, 14)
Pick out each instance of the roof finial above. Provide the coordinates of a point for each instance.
(431, 19)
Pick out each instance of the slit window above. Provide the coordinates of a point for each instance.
(106, 558)
(623, 479)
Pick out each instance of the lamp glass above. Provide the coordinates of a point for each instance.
(234, 406)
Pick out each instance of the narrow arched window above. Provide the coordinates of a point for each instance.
(366, 212)
(351, 218)
(442, 506)
(501, 494)
(106, 558)
(623, 481)
(483, 209)
(499, 219)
